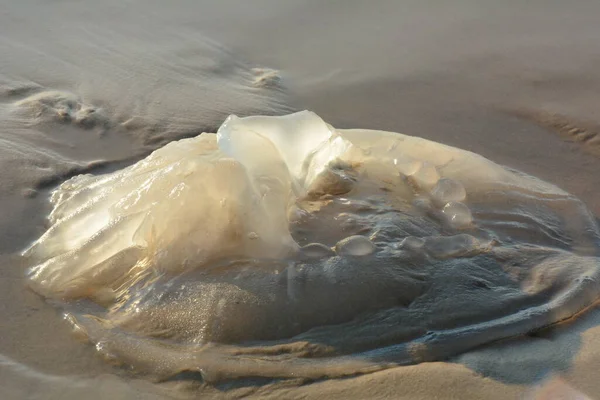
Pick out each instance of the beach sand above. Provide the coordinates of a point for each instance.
(517, 83)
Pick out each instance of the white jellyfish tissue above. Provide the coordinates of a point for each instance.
(283, 247)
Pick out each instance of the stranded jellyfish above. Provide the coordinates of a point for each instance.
(282, 247)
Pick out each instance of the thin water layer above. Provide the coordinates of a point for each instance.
(284, 248)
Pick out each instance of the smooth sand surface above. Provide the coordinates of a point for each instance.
(517, 83)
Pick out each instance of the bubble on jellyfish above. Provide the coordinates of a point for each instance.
(282, 247)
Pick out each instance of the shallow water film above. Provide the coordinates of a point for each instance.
(284, 248)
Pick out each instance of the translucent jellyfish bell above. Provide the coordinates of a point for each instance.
(284, 248)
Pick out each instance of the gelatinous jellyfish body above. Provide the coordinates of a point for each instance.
(282, 247)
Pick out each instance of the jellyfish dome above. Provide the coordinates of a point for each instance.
(282, 247)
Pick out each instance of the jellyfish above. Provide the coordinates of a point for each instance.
(281, 247)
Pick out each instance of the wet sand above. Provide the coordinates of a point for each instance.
(490, 78)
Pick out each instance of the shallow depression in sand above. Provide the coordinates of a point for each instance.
(281, 247)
